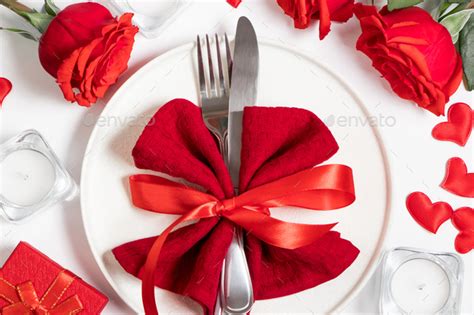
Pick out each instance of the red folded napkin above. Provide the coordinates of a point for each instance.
(276, 142)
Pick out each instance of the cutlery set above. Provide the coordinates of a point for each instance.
(222, 110)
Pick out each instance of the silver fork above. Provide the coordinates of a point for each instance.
(215, 95)
(215, 108)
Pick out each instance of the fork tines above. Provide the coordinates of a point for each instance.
(208, 85)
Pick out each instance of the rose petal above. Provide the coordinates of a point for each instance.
(5, 88)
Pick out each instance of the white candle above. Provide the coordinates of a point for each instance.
(153, 7)
(26, 177)
(420, 286)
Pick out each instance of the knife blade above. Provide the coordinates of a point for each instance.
(243, 91)
(236, 285)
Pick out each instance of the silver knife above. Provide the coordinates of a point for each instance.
(236, 285)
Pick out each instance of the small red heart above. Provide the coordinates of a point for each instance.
(5, 88)
(464, 242)
(457, 180)
(428, 215)
(458, 127)
(463, 220)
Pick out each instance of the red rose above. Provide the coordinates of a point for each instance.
(413, 52)
(302, 11)
(86, 49)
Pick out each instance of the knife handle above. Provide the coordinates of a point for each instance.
(236, 284)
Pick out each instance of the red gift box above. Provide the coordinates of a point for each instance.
(31, 283)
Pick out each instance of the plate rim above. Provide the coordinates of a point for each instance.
(377, 253)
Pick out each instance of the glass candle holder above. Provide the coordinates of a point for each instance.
(151, 16)
(31, 177)
(419, 282)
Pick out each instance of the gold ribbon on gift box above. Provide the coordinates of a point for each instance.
(24, 300)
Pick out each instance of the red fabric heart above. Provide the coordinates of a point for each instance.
(5, 88)
(429, 215)
(463, 220)
(176, 142)
(464, 242)
(457, 180)
(458, 127)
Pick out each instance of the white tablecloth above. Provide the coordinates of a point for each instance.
(417, 161)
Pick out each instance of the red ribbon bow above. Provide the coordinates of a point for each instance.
(24, 300)
(324, 187)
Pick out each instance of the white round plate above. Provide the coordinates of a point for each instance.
(287, 78)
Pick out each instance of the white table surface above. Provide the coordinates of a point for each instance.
(417, 161)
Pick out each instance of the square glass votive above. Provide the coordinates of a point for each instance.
(31, 177)
(419, 282)
(151, 16)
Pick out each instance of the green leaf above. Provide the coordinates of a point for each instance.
(400, 4)
(50, 8)
(455, 38)
(434, 8)
(443, 7)
(23, 33)
(451, 9)
(455, 22)
(466, 47)
(39, 20)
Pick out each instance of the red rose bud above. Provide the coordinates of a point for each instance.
(303, 11)
(86, 49)
(413, 52)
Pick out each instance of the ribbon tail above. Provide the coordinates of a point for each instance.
(28, 295)
(149, 268)
(71, 306)
(148, 280)
(276, 232)
(15, 309)
(8, 292)
(57, 289)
